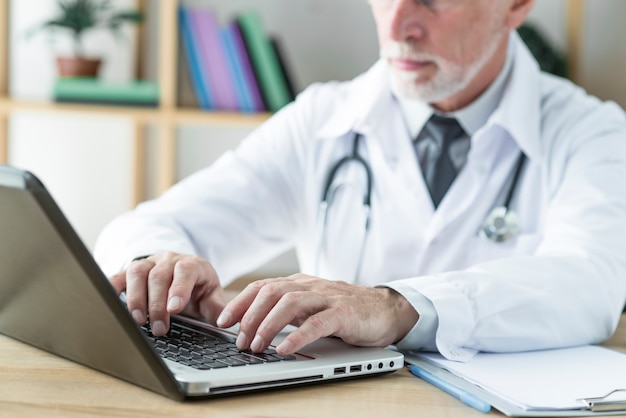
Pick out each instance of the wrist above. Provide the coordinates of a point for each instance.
(404, 314)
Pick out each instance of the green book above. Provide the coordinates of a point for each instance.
(95, 91)
(266, 63)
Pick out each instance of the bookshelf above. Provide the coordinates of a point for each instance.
(168, 116)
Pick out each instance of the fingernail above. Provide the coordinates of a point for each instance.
(138, 316)
(224, 319)
(174, 303)
(158, 328)
(285, 348)
(242, 341)
(257, 344)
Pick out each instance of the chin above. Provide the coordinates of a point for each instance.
(407, 85)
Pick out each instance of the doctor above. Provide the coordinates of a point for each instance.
(396, 261)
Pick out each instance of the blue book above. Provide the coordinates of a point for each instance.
(199, 77)
(213, 59)
(242, 90)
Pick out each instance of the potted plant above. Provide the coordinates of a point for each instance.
(77, 17)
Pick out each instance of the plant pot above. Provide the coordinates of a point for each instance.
(78, 67)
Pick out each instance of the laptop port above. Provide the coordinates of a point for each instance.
(340, 370)
(355, 369)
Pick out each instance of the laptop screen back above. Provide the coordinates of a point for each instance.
(54, 296)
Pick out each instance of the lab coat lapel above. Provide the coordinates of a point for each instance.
(375, 113)
(505, 130)
(491, 160)
(392, 155)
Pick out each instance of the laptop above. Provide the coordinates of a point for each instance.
(54, 296)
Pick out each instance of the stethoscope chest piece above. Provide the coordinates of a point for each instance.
(501, 225)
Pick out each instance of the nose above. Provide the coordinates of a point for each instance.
(406, 21)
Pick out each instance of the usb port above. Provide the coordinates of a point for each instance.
(355, 369)
(340, 370)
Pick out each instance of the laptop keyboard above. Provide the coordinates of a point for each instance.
(204, 351)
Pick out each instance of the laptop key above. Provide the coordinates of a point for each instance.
(205, 351)
(249, 359)
(211, 365)
(232, 361)
(286, 358)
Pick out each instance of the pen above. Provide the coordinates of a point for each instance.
(462, 395)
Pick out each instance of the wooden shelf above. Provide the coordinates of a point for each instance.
(166, 118)
(177, 116)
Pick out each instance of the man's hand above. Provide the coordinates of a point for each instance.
(359, 315)
(169, 283)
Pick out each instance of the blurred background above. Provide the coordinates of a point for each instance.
(99, 161)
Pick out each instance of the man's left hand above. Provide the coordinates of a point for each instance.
(359, 315)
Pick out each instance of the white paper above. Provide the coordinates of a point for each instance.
(544, 380)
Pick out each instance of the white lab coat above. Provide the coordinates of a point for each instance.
(561, 282)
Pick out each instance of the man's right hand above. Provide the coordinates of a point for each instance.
(169, 283)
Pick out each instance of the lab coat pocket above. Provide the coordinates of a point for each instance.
(482, 249)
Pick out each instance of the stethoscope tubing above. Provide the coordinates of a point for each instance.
(514, 183)
(353, 156)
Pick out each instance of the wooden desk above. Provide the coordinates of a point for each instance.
(34, 383)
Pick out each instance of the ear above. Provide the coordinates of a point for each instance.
(518, 12)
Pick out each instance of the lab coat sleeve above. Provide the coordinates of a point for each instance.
(422, 335)
(238, 213)
(572, 290)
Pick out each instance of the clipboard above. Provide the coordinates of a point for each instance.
(549, 387)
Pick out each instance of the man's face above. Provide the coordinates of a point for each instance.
(441, 50)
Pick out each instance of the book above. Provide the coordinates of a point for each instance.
(96, 91)
(213, 59)
(235, 67)
(248, 76)
(191, 48)
(265, 62)
(277, 45)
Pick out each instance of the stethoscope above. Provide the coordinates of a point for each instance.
(501, 225)
(322, 219)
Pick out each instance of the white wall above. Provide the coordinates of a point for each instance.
(86, 161)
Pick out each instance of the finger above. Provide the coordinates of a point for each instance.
(118, 281)
(196, 290)
(213, 306)
(322, 324)
(159, 281)
(136, 297)
(238, 306)
(266, 297)
(234, 310)
(252, 310)
(188, 273)
(292, 307)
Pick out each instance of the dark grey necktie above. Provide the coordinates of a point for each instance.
(442, 149)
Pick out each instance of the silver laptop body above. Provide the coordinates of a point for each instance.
(54, 296)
